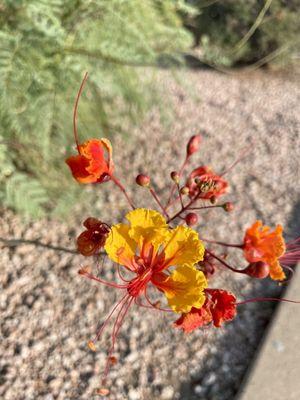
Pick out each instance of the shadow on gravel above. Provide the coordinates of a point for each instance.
(226, 366)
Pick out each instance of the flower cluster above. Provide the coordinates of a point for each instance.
(159, 250)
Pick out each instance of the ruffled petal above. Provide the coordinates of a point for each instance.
(78, 165)
(184, 288)
(196, 318)
(276, 271)
(183, 246)
(147, 226)
(119, 246)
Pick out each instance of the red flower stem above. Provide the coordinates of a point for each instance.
(180, 195)
(186, 207)
(118, 183)
(174, 186)
(239, 246)
(156, 198)
(224, 263)
(205, 207)
(266, 299)
(172, 202)
(95, 278)
(76, 111)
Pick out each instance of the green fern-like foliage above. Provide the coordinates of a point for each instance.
(45, 48)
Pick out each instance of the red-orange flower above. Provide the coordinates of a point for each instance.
(205, 182)
(219, 307)
(92, 165)
(93, 238)
(262, 244)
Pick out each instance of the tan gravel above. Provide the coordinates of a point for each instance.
(48, 312)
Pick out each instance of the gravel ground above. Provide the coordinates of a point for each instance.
(48, 312)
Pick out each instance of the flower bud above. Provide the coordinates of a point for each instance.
(259, 270)
(175, 176)
(184, 190)
(228, 207)
(191, 219)
(193, 145)
(142, 180)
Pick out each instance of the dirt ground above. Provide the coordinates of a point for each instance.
(49, 312)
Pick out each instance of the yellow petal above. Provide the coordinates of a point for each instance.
(276, 271)
(184, 288)
(183, 246)
(119, 245)
(147, 226)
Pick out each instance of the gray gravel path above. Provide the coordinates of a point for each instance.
(48, 312)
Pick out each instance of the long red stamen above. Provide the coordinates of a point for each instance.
(95, 278)
(121, 276)
(107, 319)
(116, 328)
(243, 154)
(153, 305)
(76, 110)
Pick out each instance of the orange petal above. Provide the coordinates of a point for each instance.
(78, 165)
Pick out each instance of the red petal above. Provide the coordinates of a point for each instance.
(194, 319)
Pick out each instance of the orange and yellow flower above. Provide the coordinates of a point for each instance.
(262, 244)
(94, 162)
(148, 248)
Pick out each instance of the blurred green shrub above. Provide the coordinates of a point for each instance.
(45, 48)
(236, 32)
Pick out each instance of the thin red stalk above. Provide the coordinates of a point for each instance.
(172, 202)
(174, 186)
(266, 299)
(180, 195)
(224, 263)
(152, 191)
(118, 183)
(76, 111)
(184, 208)
(204, 207)
(95, 278)
(239, 246)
